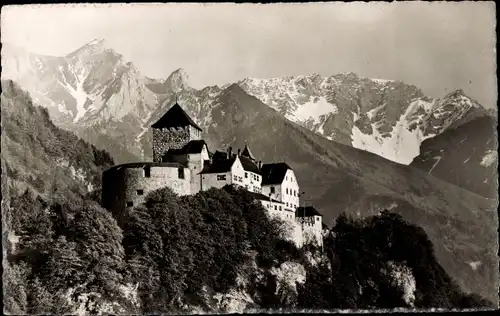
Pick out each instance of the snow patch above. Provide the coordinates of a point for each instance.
(402, 146)
(489, 158)
(313, 110)
(475, 264)
(381, 81)
(77, 92)
(371, 114)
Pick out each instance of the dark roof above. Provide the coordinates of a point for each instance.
(307, 211)
(249, 165)
(260, 196)
(175, 117)
(220, 155)
(193, 147)
(246, 152)
(218, 166)
(324, 226)
(274, 173)
(144, 165)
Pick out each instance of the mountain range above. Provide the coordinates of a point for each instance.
(318, 125)
(93, 86)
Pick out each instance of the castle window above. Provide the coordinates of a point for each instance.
(235, 178)
(246, 175)
(275, 207)
(180, 172)
(140, 192)
(317, 219)
(280, 207)
(147, 172)
(272, 190)
(286, 204)
(221, 177)
(286, 190)
(246, 186)
(129, 204)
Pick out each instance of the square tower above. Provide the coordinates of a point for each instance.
(173, 131)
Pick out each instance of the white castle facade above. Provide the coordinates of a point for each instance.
(183, 162)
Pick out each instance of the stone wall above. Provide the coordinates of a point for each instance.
(130, 185)
(169, 138)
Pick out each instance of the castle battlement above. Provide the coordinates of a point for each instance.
(183, 162)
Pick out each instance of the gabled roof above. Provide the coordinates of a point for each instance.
(218, 166)
(246, 152)
(249, 165)
(274, 173)
(193, 147)
(175, 117)
(306, 211)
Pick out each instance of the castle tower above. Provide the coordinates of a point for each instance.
(173, 131)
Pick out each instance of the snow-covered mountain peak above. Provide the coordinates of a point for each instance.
(177, 81)
(93, 47)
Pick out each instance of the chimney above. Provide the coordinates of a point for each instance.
(260, 164)
(230, 151)
(239, 152)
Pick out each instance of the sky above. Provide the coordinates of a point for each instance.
(439, 47)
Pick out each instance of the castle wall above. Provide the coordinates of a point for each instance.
(195, 164)
(290, 191)
(251, 182)
(277, 209)
(213, 180)
(312, 229)
(266, 190)
(124, 186)
(167, 138)
(286, 192)
(293, 229)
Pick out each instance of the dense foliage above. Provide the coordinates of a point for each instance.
(184, 245)
(61, 247)
(41, 156)
(364, 254)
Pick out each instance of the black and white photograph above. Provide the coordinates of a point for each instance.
(221, 158)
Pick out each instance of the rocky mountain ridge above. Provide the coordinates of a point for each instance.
(93, 86)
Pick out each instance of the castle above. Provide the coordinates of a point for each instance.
(183, 162)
